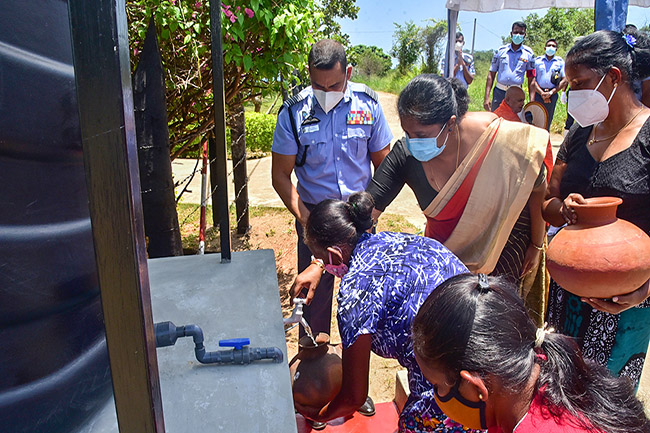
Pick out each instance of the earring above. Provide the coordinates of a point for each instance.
(480, 396)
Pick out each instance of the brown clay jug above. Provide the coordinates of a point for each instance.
(316, 371)
(600, 256)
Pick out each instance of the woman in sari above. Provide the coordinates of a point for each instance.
(606, 153)
(479, 180)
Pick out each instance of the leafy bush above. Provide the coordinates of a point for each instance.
(259, 131)
(259, 135)
(370, 60)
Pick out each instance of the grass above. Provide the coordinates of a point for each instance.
(392, 82)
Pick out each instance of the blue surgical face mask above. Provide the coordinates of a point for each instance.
(425, 149)
(550, 51)
(517, 39)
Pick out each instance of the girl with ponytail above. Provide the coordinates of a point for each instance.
(385, 278)
(606, 153)
(491, 367)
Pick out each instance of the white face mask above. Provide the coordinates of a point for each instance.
(328, 100)
(459, 46)
(589, 106)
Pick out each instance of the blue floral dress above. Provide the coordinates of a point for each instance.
(390, 277)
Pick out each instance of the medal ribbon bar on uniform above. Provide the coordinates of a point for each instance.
(360, 118)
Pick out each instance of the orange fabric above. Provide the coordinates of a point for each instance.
(548, 160)
(443, 224)
(506, 112)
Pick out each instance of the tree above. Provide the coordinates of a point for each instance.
(407, 45)
(262, 40)
(563, 25)
(369, 60)
(433, 41)
(333, 9)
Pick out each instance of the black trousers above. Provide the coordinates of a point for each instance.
(498, 96)
(319, 313)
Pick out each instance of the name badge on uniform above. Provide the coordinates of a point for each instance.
(309, 128)
(360, 118)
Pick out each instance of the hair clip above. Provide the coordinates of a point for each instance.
(483, 284)
(541, 333)
(629, 40)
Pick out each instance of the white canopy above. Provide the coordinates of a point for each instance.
(497, 5)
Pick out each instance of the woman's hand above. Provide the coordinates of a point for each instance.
(567, 211)
(531, 259)
(309, 412)
(307, 279)
(620, 303)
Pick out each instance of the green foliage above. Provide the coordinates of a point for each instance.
(369, 60)
(262, 39)
(407, 45)
(259, 135)
(563, 25)
(259, 131)
(393, 82)
(333, 9)
(433, 41)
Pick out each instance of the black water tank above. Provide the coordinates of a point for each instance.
(54, 371)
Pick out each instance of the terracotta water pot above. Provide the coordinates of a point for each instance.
(600, 256)
(316, 371)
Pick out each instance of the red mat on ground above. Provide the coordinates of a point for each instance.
(383, 421)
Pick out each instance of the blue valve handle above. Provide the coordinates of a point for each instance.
(237, 343)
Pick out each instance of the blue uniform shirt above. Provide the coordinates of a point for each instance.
(469, 61)
(338, 145)
(511, 65)
(545, 69)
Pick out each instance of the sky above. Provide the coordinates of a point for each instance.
(374, 23)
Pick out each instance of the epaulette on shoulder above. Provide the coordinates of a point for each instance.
(368, 91)
(294, 100)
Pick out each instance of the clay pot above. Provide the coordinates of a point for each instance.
(600, 256)
(316, 371)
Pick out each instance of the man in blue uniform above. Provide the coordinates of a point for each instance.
(329, 134)
(463, 62)
(510, 64)
(549, 79)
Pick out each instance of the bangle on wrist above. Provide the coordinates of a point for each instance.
(539, 248)
(319, 262)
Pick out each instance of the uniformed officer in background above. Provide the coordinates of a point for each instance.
(329, 134)
(549, 79)
(510, 64)
(463, 62)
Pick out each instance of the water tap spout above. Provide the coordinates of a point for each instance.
(297, 315)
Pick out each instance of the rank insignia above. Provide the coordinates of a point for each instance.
(360, 118)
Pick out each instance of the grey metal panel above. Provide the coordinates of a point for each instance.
(236, 299)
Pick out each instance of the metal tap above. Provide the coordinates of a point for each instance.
(297, 316)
